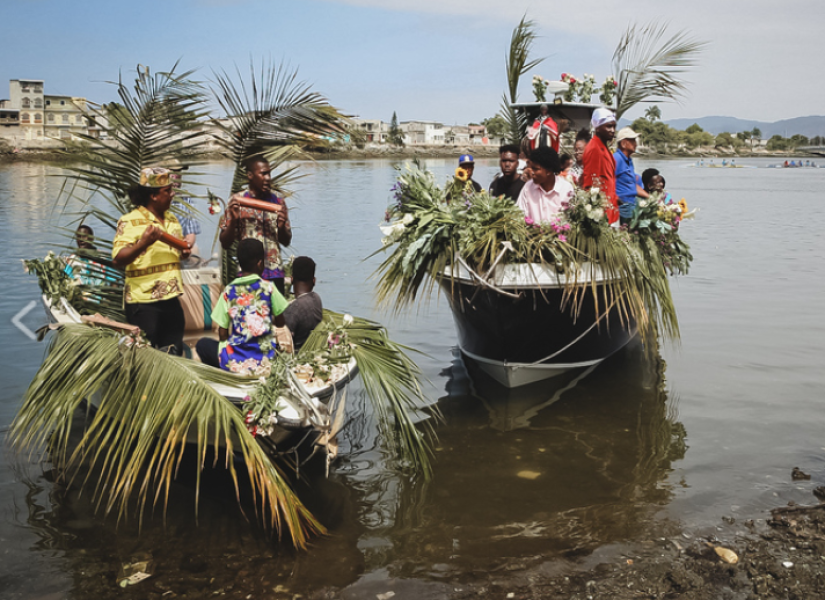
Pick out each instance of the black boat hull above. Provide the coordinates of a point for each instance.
(536, 335)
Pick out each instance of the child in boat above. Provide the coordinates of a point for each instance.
(654, 182)
(305, 313)
(250, 316)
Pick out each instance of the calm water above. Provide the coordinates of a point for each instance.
(627, 451)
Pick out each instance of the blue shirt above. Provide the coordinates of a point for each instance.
(625, 183)
(187, 222)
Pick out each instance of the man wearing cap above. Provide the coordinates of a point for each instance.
(627, 187)
(306, 311)
(467, 163)
(153, 277)
(598, 164)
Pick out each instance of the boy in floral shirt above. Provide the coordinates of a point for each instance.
(250, 316)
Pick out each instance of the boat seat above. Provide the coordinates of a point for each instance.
(201, 290)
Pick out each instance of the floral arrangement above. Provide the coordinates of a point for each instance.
(425, 231)
(655, 221)
(578, 89)
(608, 91)
(540, 88)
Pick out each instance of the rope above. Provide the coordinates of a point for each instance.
(584, 333)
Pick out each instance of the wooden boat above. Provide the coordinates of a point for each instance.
(520, 325)
(305, 418)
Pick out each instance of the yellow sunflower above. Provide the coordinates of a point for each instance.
(683, 205)
(461, 174)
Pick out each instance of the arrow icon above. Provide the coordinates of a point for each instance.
(16, 320)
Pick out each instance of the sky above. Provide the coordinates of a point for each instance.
(441, 60)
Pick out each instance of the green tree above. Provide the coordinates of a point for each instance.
(756, 134)
(777, 142)
(497, 127)
(694, 129)
(724, 140)
(653, 113)
(798, 140)
(395, 136)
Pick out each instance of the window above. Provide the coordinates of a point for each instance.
(79, 119)
(38, 89)
(62, 103)
(50, 118)
(48, 102)
(26, 103)
(38, 118)
(65, 118)
(24, 117)
(38, 103)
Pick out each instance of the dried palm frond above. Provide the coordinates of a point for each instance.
(518, 63)
(148, 404)
(648, 65)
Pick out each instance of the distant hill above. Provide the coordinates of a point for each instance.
(807, 126)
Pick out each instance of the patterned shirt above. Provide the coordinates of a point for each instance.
(246, 309)
(155, 274)
(263, 226)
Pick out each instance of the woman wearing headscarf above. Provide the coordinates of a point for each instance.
(153, 277)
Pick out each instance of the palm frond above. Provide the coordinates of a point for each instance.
(148, 405)
(273, 114)
(648, 65)
(518, 63)
(391, 381)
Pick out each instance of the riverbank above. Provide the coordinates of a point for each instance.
(780, 556)
(405, 152)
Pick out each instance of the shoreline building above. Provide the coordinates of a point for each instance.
(30, 115)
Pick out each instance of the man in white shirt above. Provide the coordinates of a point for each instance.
(544, 196)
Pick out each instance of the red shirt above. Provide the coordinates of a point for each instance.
(598, 162)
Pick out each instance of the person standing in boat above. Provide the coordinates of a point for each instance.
(627, 187)
(544, 132)
(250, 318)
(598, 164)
(544, 196)
(153, 277)
(305, 313)
(508, 183)
(582, 138)
(272, 229)
(468, 163)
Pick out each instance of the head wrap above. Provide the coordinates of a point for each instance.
(602, 116)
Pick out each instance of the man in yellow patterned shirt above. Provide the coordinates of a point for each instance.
(153, 277)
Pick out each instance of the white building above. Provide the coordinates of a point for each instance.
(430, 133)
(376, 130)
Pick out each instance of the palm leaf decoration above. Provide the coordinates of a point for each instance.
(158, 120)
(273, 114)
(649, 64)
(149, 404)
(391, 381)
(518, 63)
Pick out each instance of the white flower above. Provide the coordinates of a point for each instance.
(642, 203)
(597, 214)
(408, 218)
(348, 320)
(588, 207)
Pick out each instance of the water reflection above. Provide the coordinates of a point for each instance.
(557, 468)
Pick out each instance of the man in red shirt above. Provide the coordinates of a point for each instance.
(598, 164)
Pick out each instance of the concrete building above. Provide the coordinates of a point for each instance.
(428, 133)
(376, 130)
(31, 118)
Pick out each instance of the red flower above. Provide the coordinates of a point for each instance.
(563, 75)
(572, 80)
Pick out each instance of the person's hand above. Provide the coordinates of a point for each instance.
(284, 338)
(186, 253)
(150, 235)
(282, 215)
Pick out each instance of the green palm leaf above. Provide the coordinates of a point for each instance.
(648, 65)
(149, 404)
(518, 63)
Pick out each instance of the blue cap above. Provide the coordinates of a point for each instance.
(466, 158)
